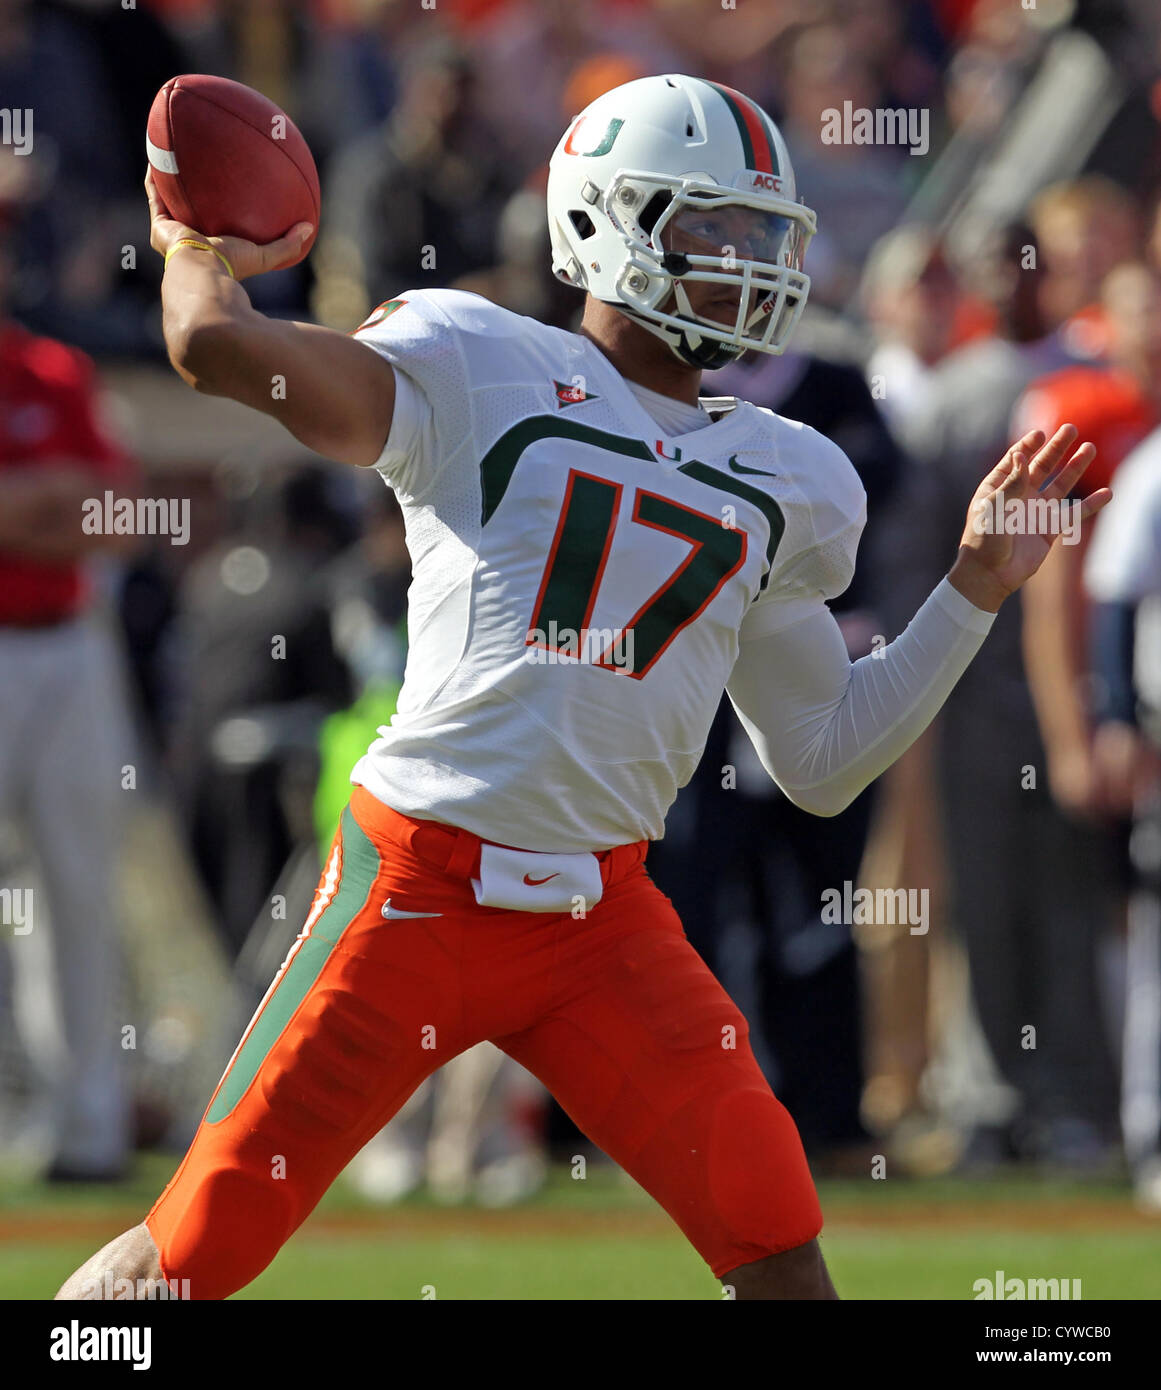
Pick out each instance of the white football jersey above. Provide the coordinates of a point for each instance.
(580, 579)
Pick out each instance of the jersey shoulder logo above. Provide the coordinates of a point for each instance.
(383, 311)
(571, 394)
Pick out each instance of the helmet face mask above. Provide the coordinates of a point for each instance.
(749, 246)
(708, 260)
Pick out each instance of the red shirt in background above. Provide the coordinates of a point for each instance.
(1107, 405)
(48, 415)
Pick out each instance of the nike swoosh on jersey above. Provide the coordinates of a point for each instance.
(396, 914)
(735, 467)
(536, 882)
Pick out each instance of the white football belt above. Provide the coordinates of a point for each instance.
(526, 881)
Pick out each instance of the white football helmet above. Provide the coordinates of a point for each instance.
(655, 186)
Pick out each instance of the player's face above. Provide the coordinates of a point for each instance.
(729, 234)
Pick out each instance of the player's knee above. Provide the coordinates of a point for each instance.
(236, 1224)
(760, 1199)
(759, 1178)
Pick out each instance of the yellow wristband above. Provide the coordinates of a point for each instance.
(200, 246)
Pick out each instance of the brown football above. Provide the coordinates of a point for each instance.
(228, 162)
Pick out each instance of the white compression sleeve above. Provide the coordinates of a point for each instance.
(825, 728)
(408, 454)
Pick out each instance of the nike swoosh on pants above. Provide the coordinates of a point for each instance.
(395, 914)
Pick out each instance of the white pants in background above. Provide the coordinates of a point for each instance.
(65, 736)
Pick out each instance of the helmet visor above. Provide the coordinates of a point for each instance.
(731, 232)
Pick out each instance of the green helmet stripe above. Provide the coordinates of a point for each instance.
(758, 148)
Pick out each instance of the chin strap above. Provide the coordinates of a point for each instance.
(691, 347)
(708, 355)
(687, 344)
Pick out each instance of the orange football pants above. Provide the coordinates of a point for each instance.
(615, 1012)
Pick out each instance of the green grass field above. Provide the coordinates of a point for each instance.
(603, 1238)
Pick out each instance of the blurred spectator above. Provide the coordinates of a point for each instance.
(88, 73)
(593, 78)
(260, 671)
(1028, 895)
(1114, 406)
(366, 64)
(147, 609)
(1084, 229)
(65, 735)
(366, 591)
(1123, 580)
(414, 204)
(1129, 147)
(523, 280)
(1153, 237)
(367, 587)
(856, 190)
(335, 74)
(527, 53)
(911, 297)
(903, 44)
(987, 69)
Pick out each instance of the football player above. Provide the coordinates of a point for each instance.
(597, 553)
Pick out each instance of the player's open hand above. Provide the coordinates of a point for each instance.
(245, 257)
(1019, 511)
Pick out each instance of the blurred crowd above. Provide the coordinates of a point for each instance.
(1006, 278)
